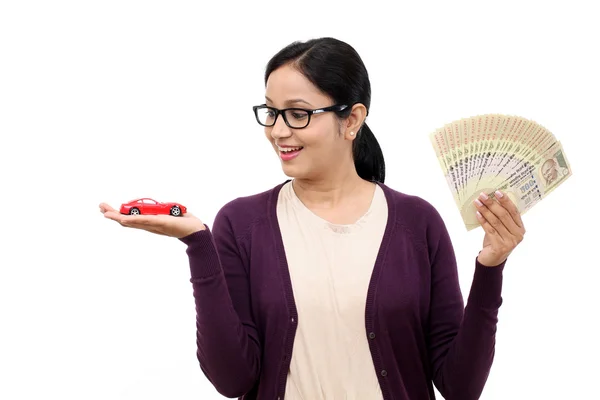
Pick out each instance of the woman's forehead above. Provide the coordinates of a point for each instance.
(289, 92)
(287, 86)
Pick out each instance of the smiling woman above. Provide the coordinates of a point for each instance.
(332, 284)
(306, 89)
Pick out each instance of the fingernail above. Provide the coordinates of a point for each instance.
(478, 202)
(483, 196)
(499, 194)
(478, 214)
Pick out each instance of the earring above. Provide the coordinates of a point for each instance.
(351, 133)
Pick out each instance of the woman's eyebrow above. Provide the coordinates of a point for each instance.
(291, 101)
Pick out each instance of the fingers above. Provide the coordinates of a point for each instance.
(134, 220)
(491, 223)
(500, 216)
(105, 207)
(511, 207)
(115, 216)
(118, 217)
(152, 223)
(516, 225)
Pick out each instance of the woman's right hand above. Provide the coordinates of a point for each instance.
(167, 225)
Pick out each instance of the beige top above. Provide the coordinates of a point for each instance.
(330, 267)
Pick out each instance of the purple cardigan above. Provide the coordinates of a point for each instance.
(419, 331)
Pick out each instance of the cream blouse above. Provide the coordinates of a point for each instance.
(330, 267)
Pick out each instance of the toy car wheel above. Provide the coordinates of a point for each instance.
(175, 211)
(134, 211)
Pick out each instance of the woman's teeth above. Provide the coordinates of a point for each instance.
(288, 149)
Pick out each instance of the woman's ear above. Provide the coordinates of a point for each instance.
(355, 120)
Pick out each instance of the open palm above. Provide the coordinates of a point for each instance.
(160, 224)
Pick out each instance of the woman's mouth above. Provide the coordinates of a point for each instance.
(288, 153)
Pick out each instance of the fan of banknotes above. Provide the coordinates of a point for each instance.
(493, 152)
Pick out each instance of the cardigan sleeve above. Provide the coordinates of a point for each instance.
(228, 348)
(461, 339)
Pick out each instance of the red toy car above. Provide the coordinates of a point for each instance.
(150, 206)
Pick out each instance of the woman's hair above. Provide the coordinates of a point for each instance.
(338, 71)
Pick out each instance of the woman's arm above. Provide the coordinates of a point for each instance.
(461, 339)
(228, 347)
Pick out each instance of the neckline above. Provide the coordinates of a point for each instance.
(320, 222)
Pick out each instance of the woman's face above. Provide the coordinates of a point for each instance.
(322, 147)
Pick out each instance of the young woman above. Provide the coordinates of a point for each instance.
(332, 285)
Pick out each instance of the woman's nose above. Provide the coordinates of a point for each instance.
(280, 129)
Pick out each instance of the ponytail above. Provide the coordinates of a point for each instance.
(368, 157)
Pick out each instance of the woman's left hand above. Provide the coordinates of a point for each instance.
(503, 227)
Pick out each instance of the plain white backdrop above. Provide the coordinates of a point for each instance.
(113, 100)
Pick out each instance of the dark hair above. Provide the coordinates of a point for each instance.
(338, 71)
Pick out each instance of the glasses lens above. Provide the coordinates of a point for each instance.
(265, 116)
(297, 118)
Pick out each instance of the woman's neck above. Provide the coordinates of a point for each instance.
(333, 191)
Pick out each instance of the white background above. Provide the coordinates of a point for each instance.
(113, 100)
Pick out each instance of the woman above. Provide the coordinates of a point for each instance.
(333, 285)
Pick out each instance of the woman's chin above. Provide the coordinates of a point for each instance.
(292, 171)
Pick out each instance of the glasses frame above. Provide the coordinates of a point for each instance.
(335, 107)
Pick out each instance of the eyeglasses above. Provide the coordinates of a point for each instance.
(296, 118)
